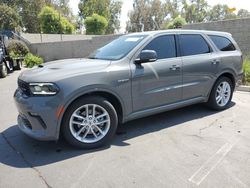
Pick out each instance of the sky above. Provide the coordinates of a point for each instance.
(128, 5)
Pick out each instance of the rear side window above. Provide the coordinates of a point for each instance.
(164, 46)
(222, 43)
(192, 44)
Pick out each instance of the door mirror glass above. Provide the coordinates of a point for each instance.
(147, 56)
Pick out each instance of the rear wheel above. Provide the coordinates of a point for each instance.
(90, 122)
(221, 94)
(3, 70)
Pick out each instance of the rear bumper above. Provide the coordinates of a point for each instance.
(37, 116)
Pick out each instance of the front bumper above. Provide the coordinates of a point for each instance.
(37, 116)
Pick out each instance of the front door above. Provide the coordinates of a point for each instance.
(158, 83)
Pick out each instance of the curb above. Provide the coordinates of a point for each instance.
(243, 88)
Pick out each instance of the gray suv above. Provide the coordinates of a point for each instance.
(134, 76)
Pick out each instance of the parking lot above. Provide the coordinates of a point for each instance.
(189, 147)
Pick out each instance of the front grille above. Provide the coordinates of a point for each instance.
(24, 86)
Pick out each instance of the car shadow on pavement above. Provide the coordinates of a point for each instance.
(20, 151)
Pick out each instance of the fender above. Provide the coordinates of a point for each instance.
(225, 71)
(83, 91)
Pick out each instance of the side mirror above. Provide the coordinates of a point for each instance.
(147, 56)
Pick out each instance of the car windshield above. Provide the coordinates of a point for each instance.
(118, 48)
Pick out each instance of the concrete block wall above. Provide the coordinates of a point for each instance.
(69, 49)
(45, 38)
(239, 28)
(54, 47)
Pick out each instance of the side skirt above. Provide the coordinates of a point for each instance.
(168, 107)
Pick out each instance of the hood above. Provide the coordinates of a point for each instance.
(57, 70)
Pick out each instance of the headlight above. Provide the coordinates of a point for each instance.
(43, 88)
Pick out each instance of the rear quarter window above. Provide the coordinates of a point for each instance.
(222, 43)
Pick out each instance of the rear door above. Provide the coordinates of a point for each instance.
(199, 65)
(157, 83)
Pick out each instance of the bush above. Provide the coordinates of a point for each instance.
(16, 48)
(31, 60)
(68, 28)
(54, 23)
(178, 22)
(246, 71)
(95, 25)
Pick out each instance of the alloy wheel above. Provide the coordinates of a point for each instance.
(223, 93)
(89, 123)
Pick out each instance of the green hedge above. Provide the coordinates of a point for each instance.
(53, 22)
(246, 71)
(17, 48)
(178, 22)
(31, 60)
(95, 25)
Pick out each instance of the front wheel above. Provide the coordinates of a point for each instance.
(89, 122)
(221, 94)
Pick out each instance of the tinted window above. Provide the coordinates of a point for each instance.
(164, 46)
(193, 45)
(222, 43)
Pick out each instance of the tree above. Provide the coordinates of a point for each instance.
(9, 19)
(61, 6)
(29, 11)
(243, 13)
(178, 22)
(89, 7)
(195, 11)
(220, 12)
(95, 25)
(53, 23)
(157, 14)
(174, 8)
(10, 3)
(114, 21)
(110, 9)
(146, 15)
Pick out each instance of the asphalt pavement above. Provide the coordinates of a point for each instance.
(188, 147)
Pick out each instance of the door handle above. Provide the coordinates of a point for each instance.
(215, 62)
(175, 67)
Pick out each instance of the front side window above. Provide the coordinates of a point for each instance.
(193, 44)
(164, 46)
(222, 43)
(118, 48)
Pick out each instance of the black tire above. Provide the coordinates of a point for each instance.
(18, 65)
(11, 66)
(3, 70)
(89, 100)
(212, 103)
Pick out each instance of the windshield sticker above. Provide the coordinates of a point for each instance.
(133, 39)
